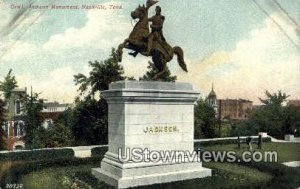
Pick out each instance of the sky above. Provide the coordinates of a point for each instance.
(235, 45)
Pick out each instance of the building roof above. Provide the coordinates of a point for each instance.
(56, 104)
(235, 100)
(19, 90)
(212, 93)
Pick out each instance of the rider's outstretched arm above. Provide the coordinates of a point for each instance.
(150, 3)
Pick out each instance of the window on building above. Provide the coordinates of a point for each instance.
(19, 129)
(16, 130)
(5, 127)
(21, 125)
(18, 107)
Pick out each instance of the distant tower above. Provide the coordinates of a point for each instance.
(212, 99)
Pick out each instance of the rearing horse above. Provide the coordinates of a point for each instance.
(161, 53)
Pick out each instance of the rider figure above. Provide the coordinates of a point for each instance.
(156, 28)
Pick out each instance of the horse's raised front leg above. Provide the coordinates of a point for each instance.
(119, 52)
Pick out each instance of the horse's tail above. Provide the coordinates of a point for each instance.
(180, 57)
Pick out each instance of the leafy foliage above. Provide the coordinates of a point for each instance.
(90, 124)
(2, 111)
(8, 84)
(274, 99)
(89, 118)
(152, 71)
(3, 144)
(292, 120)
(37, 155)
(205, 120)
(99, 151)
(66, 117)
(273, 117)
(102, 74)
(6, 87)
(59, 135)
(34, 131)
(202, 144)
(2, 120)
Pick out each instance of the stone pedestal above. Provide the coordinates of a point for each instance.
(157, 117)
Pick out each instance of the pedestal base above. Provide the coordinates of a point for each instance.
(149, 175)
(156, 116)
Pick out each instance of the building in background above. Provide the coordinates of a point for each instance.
(229, 109)
(294, 103)
(15, 125)
(55, 107)
(52, 111)
(234, 109)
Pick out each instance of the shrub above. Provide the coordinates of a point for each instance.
(99, 151)
(244, 128)
(59, 135)
(36, 155)
(221, 142)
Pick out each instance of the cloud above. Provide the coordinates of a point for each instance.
(266, 60)
(103, 30)
(58, 85)
(4, 15)
(17, 50)
(39, 65)
(13, 25)
(135, 67)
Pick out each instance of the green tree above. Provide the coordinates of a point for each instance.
(2, 111)
(152, 71)
(8, 84)
(272, 117)
(35, 133)
(292, 120)
(244, 128)
(59, 135)
(6, 87)
(3, 139)
(89, 124)
(275, 99)
(205, 120)
(102, 74)
(66, 118)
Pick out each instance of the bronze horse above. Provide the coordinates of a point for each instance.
(161, 53)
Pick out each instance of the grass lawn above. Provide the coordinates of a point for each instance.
(60, 177)
(225, 130)
(286, 151)
(225, 175)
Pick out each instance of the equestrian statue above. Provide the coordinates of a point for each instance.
(153, 43)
